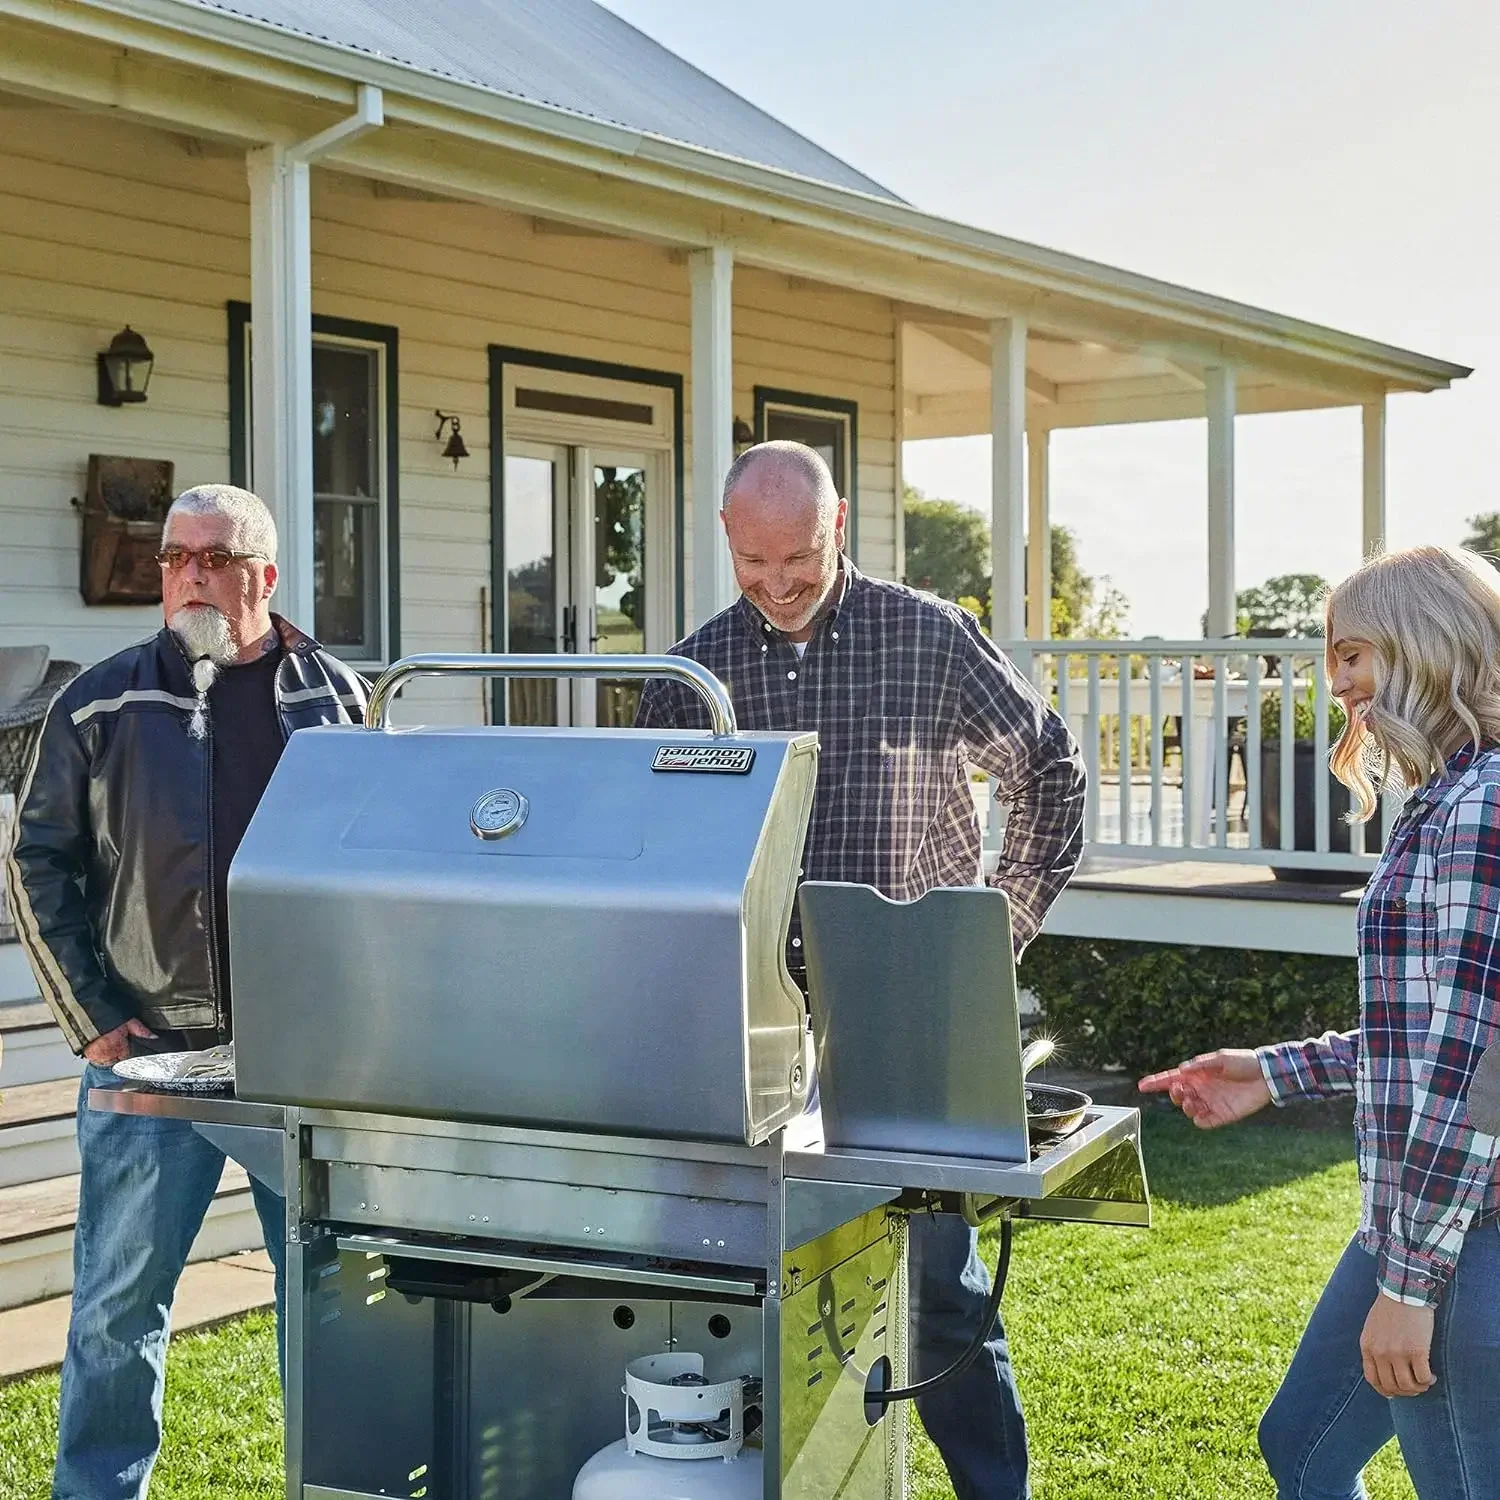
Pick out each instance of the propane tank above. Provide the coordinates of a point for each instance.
(684, 1438)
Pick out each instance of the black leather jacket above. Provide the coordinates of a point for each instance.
(110, 877)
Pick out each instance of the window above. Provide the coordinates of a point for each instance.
(346, 500)
(827, 425)
(353, 417)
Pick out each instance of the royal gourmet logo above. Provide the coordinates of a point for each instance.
(728, 760)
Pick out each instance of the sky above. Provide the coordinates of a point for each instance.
(1336, 160)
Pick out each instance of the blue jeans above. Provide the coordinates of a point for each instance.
(975, 1422)
(1326, 1423)
(146, 1186)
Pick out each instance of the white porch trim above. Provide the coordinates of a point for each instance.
(711, 272)
(1210, 921)
(1008, 477)
(1373, 421)
(281, 323)
(1219, 397)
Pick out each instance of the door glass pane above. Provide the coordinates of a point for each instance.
(531, 580)
(824, 435)
(619, 581)
(346, 574)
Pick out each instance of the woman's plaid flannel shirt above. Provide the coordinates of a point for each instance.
(1429, 972)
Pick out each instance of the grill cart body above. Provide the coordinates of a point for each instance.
(515, 1035)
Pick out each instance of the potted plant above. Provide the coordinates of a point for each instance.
(1305, 769)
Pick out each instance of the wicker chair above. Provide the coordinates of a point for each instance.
(21, 726)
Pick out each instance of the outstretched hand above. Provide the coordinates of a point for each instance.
(1216, 1088)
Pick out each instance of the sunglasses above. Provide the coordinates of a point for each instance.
(210, 559)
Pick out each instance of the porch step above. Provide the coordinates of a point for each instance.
(39, 1162)
(36, 1233)
(33, 1338)
(37, 1132)
(35, 1051)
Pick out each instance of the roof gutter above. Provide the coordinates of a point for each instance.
(805, 201)
(369, 114)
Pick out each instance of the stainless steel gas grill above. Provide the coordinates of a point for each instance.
(513, 1024)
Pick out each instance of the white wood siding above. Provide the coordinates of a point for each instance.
(103, 224)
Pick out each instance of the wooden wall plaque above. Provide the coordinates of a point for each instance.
(124, 507)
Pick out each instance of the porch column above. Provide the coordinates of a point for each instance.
(281, 366)
(1038, 536)
(898, 571)
(281, 343)
(1008, 478)
(712, 274)
(1374, 477)
(1218, 390)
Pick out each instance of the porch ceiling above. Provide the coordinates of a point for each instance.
(1071, 382)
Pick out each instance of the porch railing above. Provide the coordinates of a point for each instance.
(1181, 739)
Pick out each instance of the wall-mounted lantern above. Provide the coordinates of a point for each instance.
(744, 436)
(125, 369)
(455, 446)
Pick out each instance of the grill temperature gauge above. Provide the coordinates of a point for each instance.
(498, 813)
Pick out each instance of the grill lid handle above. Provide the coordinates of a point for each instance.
(438, 664)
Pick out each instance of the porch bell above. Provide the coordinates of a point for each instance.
(454, 448)
(125, 369)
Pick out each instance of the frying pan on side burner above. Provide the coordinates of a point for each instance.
(1051, 1111)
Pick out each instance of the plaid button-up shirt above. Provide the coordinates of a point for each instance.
(906, 693)
(1429, 973)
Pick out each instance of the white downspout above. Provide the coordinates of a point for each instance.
(281, 324)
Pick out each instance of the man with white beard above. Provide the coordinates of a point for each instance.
(146, 775)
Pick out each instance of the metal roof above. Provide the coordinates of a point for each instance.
(573, 55)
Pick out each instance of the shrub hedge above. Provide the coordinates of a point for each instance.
(1143, 1006)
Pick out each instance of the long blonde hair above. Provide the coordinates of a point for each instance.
(1433, 616)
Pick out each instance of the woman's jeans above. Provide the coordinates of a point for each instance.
(147, 1183)
(1326, 1423)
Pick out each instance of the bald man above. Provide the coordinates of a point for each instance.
(906, 694)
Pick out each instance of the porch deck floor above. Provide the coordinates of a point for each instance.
(1205, 878)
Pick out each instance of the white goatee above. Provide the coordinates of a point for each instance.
(204, 633)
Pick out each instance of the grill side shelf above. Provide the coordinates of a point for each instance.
(204, 1108)
(1111, 1133)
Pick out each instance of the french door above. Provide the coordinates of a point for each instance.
(582, 572)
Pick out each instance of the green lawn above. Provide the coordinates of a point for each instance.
(1144, 1359)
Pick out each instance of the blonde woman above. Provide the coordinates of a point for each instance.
(1405, 1339)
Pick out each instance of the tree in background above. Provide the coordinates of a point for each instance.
(1290, 604)
(1484, 534)
(948, 554)
(947, 547)
(1083, 607)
